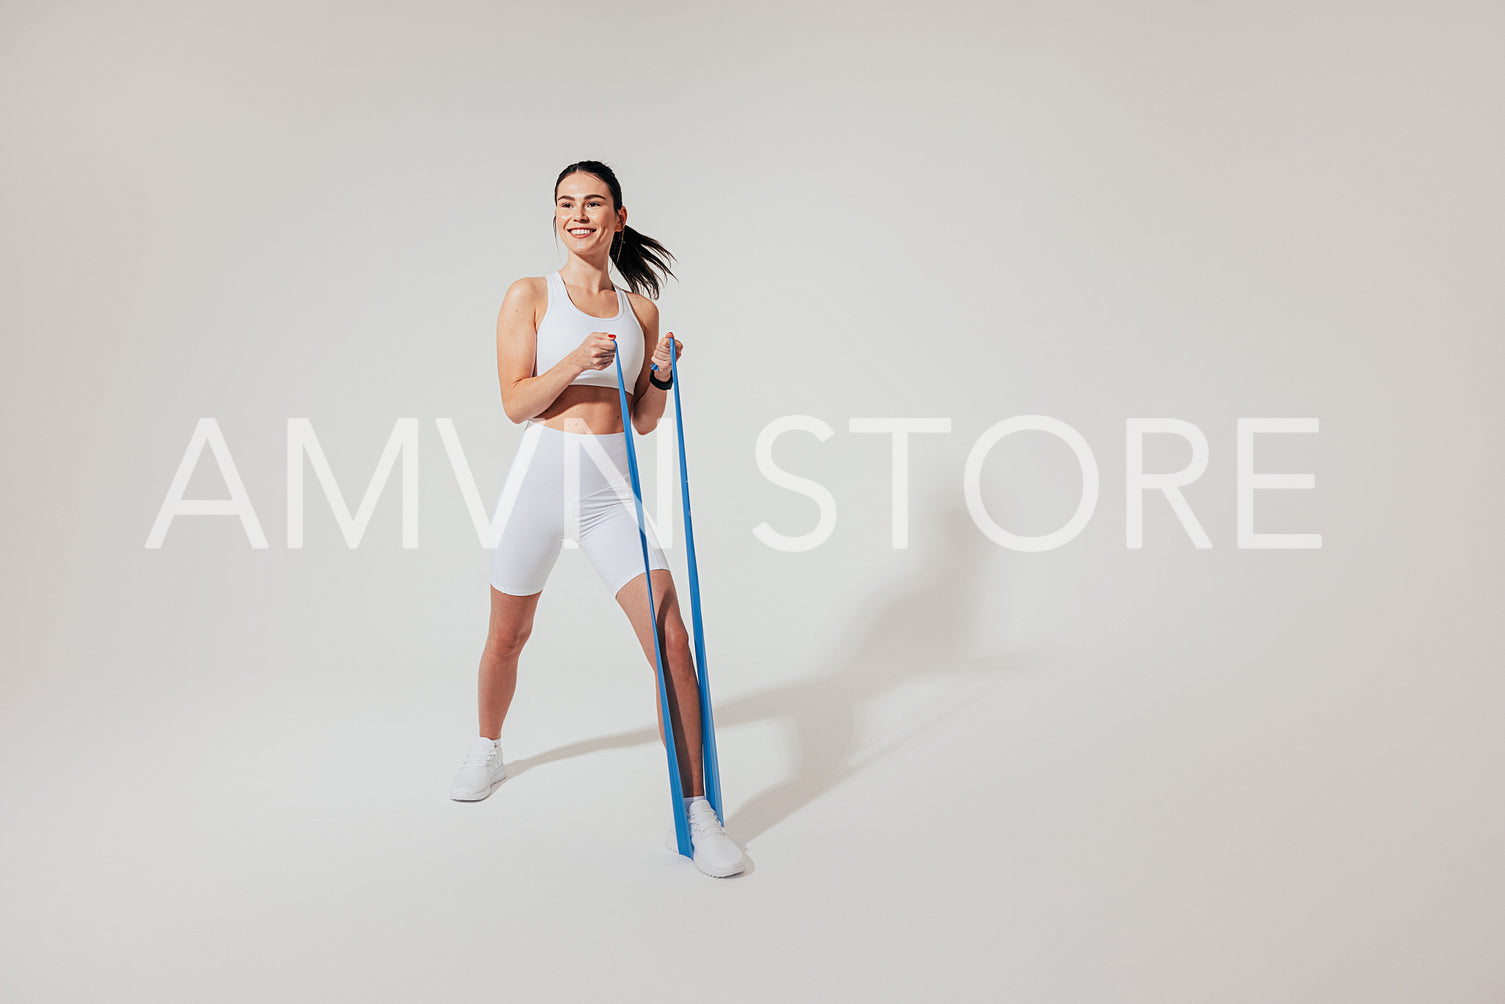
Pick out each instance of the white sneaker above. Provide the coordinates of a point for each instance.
(481, 772)
(715, 854)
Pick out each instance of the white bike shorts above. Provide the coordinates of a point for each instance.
(568, 485)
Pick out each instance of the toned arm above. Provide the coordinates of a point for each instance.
(524, 395)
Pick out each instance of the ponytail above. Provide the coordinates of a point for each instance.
(636, 256)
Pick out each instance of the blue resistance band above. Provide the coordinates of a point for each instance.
(707, 724)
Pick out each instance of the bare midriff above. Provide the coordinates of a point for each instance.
(585, 408)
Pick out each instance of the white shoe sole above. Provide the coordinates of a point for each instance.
(727, 873)
(476, 796)
(671, 844)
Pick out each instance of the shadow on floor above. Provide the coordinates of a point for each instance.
(919, 629)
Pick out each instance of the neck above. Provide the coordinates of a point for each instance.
(592, 276)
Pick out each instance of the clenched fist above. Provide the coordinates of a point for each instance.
(665, 368)
(597, 351)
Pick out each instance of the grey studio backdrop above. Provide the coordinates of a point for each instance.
(960, 771)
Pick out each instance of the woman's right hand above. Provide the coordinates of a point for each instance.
(596, 352)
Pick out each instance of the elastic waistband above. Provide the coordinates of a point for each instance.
(549, 429)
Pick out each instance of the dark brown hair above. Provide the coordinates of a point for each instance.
(635, 254)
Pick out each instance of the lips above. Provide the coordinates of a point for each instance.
(580, 231)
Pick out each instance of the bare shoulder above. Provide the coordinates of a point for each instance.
(527, 290)
(645, 310)
(525, 297)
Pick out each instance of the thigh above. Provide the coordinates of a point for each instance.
(531, 519)
(529, 547)
(610, 538)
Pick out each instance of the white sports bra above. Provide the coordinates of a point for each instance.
(565, 326)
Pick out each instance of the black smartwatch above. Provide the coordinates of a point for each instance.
(660, 384)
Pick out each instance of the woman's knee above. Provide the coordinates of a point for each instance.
(511, 623)
(506, 641)
(675, 633)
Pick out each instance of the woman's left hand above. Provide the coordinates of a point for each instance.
(661, 355)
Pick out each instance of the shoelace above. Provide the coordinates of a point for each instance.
(703, 822)
(480, 756)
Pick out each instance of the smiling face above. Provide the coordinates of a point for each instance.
(583, 215)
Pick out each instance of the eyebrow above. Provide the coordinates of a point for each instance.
(563, 197)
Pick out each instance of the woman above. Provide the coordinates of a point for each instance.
(557, 339)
